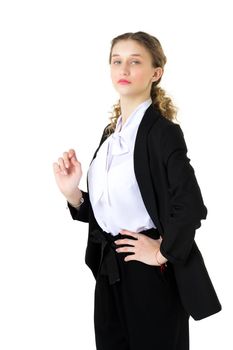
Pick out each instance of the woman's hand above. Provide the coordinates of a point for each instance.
(145, 249)
(68, 173)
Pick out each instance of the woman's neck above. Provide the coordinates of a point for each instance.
(129, 105)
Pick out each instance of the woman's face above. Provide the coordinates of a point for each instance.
(131, 67)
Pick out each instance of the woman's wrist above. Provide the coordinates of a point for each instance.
(160, 259)
(76, 200)
(76, 206)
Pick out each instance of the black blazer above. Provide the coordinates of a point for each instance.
(174, 202)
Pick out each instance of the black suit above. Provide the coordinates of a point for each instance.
(173, 200)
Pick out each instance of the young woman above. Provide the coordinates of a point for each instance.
(143, 206)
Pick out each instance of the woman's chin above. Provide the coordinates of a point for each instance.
(126, 92)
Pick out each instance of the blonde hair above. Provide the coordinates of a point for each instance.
(158, 95)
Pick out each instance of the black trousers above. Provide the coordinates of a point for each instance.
(142, 311)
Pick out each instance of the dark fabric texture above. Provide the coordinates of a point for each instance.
(174, 202)
(141, 311)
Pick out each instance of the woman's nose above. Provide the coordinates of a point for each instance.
(124, 69)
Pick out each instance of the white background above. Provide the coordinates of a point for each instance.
(56, 94)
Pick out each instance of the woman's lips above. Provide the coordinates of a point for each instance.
(123, 82)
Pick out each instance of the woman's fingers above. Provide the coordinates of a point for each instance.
(126, 250)
(72, 157)
(66, 159)
(125, 241)
(130, 257)
(74, 161)
(66, 163)
(62, 165)
(143, 247)
(72, 153)
(56, 168)
(130, 233)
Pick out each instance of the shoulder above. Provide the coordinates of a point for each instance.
(165, 129)
(166, 137)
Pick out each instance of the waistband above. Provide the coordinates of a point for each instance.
(108, 264)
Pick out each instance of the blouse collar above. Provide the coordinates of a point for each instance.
(134, 118)
(124, 136)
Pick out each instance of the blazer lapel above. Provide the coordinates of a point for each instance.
(104, 137)
(141, 164)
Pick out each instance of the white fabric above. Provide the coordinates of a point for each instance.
(113, 190)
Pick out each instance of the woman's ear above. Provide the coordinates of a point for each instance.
(157, 74)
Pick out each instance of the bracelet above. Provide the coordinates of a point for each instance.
(78, 205)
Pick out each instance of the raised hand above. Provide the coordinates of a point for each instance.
(68, 173)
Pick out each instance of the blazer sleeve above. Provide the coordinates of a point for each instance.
(82, 213)
(186, 203)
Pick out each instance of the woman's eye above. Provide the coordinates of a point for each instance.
(119, 62)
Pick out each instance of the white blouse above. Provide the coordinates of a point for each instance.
(113, 190)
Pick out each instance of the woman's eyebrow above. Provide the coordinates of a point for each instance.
(133, 54)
